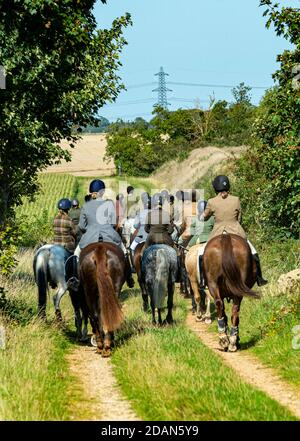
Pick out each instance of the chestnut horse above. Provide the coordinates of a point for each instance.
(230, 272)
(102, 275)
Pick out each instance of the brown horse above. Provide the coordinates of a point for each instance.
(137, 262)
(230, 272)
(102, 275)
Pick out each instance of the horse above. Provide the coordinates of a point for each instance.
(198, 295)
(137, 262)
(102, 275)
(230, 272)
(159, 270)
(49, 269)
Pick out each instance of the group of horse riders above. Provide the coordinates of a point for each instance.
(160, 219)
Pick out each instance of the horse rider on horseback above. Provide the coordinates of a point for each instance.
(64, 228)
(158, 224)
(140, 220)
(98, 221)
(200, 229)
(226, 210)
(74, 214)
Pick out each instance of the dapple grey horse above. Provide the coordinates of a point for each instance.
(49, 269)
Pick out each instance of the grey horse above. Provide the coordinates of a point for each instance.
(49, 269)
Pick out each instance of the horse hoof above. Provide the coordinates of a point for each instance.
(199, 318)
(93, 341)
(224, 342)
(208, 321)
(232, 348)
(106, 353)
(99, 351)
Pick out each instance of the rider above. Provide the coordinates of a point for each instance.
(226, 210)
(188, 214)
(200, 229)
(160, 227)
(74, 214)
(97, 222)
(139, 222)
(64, 228)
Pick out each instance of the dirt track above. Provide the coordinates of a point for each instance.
(250, 369)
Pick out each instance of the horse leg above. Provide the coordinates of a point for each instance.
(56, 300)
(77, 313)
(159, 316)
(207, 312)
(107, 344)
(169, 318)
(234, 331)
(197, 300)
(193, 299)
(222, 318)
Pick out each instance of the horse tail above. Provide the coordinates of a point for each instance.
(233, 279)
(161, 278)
(40, 268)
(110, 309)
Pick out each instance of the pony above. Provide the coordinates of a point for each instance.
(159, 270)
(230, 272)
(201, 298)
(49, 269)
(137, 262)
(102, 275)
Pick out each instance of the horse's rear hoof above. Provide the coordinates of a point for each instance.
(224, 341)
(106, 353)
(208, 321)
(232, 348)
(199, 318)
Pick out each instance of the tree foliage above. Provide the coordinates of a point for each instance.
(270, 171)
(60, 69)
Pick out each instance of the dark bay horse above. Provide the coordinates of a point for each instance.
(102, 275)
(159, 270)
(137, 261)
(49, 270)
(230, 272)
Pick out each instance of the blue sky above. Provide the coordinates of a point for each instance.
(215, 42)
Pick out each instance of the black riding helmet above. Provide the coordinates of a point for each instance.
(96, 185)
(221, 183)
(64, 204)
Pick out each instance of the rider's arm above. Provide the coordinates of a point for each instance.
(239, 211)
(208, 212)
(82, 220)
(147, 223)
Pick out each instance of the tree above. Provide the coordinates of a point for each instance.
(241, 94)
(274, 159)
(60, 69)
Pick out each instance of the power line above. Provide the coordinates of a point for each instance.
(224, 86)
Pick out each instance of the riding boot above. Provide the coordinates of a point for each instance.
(178, 274)
(202, 283)
(128, 272)
(259, 278)
(131, 253)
